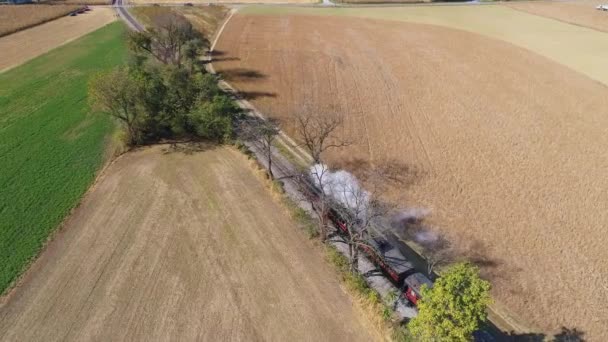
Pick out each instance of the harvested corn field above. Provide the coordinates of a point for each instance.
(180, 243)
(580, 12)
(22, 46)
(580, 48)
(14, 18)
(510, 159)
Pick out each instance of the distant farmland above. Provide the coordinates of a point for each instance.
(508, 145)
(15, 18)
(50, 145)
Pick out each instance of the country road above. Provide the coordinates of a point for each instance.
(126, 16)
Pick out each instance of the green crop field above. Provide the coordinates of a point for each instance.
(50, 145)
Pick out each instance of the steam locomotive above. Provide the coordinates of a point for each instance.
(389, 260)
(382, 253)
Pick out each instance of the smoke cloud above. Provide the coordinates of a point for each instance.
(341, 186)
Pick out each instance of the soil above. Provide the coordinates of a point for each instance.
(579, 48)
(580, 12)
(506, 148)
(180, 243)
(19, 47)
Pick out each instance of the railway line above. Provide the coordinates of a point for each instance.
(284, 169)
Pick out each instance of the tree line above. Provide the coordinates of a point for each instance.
(164, 91)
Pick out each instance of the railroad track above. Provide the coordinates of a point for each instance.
(282, 168)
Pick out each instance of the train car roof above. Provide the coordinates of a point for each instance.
(416, 280)
(392, 256)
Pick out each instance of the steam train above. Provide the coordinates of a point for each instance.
(389, 260)
(382, 253)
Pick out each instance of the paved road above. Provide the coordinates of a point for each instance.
(126, 16)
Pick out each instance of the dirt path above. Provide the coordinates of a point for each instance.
(22, 46)
(508, 160)
(180, 245)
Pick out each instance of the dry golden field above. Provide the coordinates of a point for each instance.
(15, 18)
(204, 19)
(577, 47)
(204, 2)
(79, 2)
(509, 145)
(579, 12)
(22, 46)
(181, 244)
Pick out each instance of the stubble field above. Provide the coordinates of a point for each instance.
(19, 47)
(509, 145)
(14, 18)
(180, 243)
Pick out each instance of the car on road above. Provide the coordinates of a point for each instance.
(602, 7)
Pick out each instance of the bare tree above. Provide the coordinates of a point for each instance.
(319, 132)
(263, 133)
(438, 253)
(171, 39)
(308, 184)
(362, 212)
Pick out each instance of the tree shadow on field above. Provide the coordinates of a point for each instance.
(569, 335)
(214, 56)
(252, 95)
(565, 335)
(241, 75)
(188, 148)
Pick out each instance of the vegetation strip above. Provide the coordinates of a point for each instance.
(51, 146)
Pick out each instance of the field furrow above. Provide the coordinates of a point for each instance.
(507, 145)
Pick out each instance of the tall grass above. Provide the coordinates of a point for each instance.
(51, 146)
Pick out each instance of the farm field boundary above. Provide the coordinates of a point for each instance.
(51, 146)
(175, 241)
(579, 48)
(19, 47)
(499, 315)
(489, 100)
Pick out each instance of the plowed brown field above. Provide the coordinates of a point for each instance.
(579, 12)
(180, 245)
(511, 146)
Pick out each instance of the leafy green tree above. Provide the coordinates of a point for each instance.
(454, 308)
(214, 119)
(116, 93)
